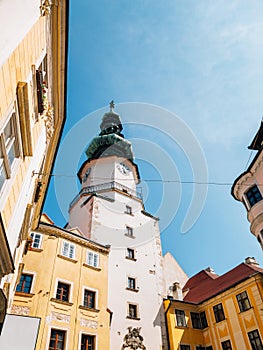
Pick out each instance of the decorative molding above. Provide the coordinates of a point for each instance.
(45, 7)
(20, 310)
(88, 323)
(57, 316)
(48, 117)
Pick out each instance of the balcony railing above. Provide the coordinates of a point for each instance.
(113, 185)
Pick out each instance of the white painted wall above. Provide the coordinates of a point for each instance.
(16, 19)
(105, 222)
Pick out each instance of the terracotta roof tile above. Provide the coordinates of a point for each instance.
(204, 285)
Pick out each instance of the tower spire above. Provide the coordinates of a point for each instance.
(112, 105)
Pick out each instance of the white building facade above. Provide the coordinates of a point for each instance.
(109, 210)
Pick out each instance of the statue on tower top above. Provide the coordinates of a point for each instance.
(111, 122)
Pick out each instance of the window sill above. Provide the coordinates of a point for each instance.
(242, 311)
(61, 302)
(126, 212)
(126, 234)
(136, 290)
(67, 258)
(23, 294)
(37, 250)
(82, 307)
(133, 259)
(92, 267)
(133, 318)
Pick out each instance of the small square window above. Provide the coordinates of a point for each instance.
(87, 342)
(219, 312)
(57, 340)
(243, 301)
(36, 240)
(180, 318)
(89, 299)
(92, 259)
(130, 253)
(226, 345)
(131, 283)
(63, 291)
(25, 283)
(68, 249)
(132, 311)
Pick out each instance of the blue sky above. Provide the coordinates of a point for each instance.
(201, 61)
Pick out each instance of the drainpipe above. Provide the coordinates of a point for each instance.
(166, 323)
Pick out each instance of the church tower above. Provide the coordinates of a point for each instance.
(110, 210)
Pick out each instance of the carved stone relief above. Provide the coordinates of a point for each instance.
(133, 340)
(88, 323)
(20, 310)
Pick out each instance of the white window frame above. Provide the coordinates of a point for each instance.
(32, 235)
(58, 328)
(90, 259)
(92, 290)
(91, 334)
(70, 251)
(70, 289)
(7, 144)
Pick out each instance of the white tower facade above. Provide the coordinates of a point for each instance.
(109, 210)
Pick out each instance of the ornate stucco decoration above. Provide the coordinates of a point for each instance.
(88, 323)
(20, 310)
(48, 116)
(133, 340)
(45, 7)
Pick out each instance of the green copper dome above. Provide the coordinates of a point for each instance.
(110, 141)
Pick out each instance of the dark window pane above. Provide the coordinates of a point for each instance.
(255, 340)
(57, 340)
(62, 291)
(219, 312)
(253, 195)
(25, 283)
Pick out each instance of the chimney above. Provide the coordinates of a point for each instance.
(177, 291)
(251, 261)
(210, 269)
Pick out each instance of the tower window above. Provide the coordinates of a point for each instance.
(129, 231)
(57, 340)
(219, 312)
(255, 340)
(180, 318)
(133, 311)
(131, 283)
(253, 195)
(128, 210)
(130, 254)
(243, 301)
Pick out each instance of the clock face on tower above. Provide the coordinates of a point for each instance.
(123, 168)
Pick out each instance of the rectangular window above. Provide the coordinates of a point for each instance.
(226, 345)
(129, 231)
(255, 340)
(89, 299)
(200, 348)
(132, 311)
(195, 318)
(68, 249)
(57, 340)
(243, 301)
(185, 347)
(36, 240)
(9, 149)
(253, 195)
(203, 320)
(180, 318)
(87, 342)
(25, 283)
(92, 259)
(209, 347)
(128, 210)
(63, 291)
(41, 85)
(131, 283)
(219, 312)
(130, 253)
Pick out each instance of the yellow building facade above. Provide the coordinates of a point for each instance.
(64, 282)
(33, 50)
(218, 312)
